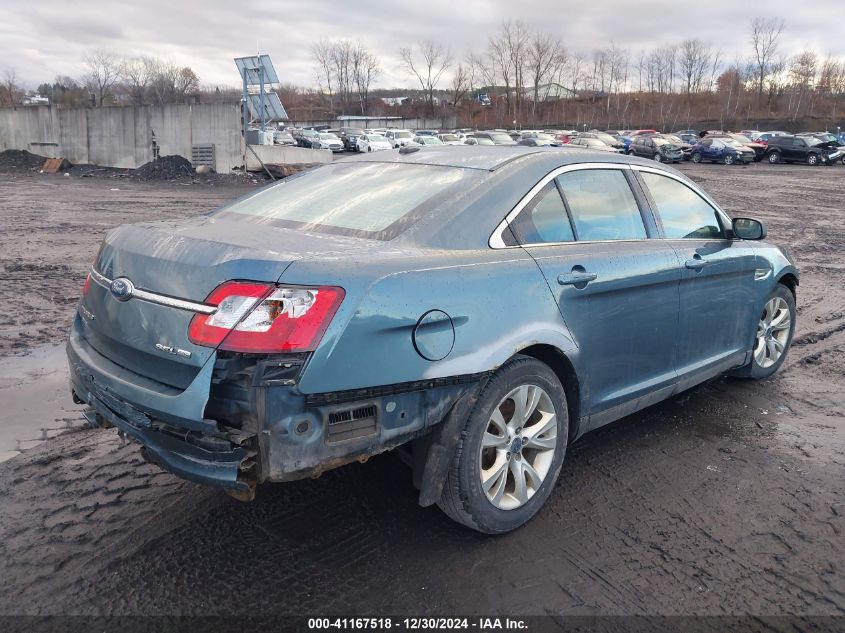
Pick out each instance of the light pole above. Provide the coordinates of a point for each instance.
(514, 124)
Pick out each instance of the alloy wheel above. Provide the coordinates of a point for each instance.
(658, 157)
(772, 332)
(696, 158)
(518, 447)
(729, 159)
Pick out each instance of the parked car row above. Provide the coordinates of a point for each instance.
(746, 146)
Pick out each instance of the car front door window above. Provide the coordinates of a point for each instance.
(602, 205)
(684, 213)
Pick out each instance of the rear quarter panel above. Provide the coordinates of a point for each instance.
(498, 302)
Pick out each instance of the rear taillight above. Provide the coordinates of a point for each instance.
(263, 318)
(86, 285)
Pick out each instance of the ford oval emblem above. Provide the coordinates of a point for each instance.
(121, 289)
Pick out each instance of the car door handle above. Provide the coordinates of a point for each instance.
(696, 263)
(575, 278)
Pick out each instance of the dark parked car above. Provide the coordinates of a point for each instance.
(416, 299)
(802, 149)
(349, 138)
(308, 138)
(656, 148)
(283, 137)
(759, 149)
(721, 150)
(827, 137)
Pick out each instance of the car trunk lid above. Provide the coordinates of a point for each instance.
(184, 261)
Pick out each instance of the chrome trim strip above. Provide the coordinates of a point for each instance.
(152, 297)
(496, 240)
(100, 279)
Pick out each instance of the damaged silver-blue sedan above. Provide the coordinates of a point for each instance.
(479, 307)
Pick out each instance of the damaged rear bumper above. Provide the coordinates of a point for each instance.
(169, 423)
(243, 420)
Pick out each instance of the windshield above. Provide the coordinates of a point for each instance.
(660, 141)
(403, 135)
(741, 138)
(732, 142)
(449, 137)
(370, 200)
(378, 138)
(607, 138)
(674, 139)
(431, 140)
(328, 137)
(354, 132)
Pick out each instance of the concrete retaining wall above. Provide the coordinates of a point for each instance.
(122, 136)
(285, 155)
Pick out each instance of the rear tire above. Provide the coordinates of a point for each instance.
(496, 482)
(774, 158)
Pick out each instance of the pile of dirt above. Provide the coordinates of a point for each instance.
(173, 167)
(21, 159)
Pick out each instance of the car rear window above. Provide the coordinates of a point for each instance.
(370, 200)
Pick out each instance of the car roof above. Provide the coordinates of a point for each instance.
(493, 157)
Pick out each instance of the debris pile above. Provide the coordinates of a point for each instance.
(21, 159)
(173, 167)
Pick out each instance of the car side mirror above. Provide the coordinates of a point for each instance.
(748, 229)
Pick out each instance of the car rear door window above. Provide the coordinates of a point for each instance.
(602, 205)
(684, 213)
(544, 220)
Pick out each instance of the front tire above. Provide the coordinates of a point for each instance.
(696, 157)
(658, 158)
(728, 159)
(813, 160)
(775, 329)
(510, 451)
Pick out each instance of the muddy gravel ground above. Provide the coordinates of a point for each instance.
(727, 499)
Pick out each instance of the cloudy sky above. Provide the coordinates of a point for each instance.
(44, 38)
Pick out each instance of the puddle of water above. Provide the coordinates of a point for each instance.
(35, 398)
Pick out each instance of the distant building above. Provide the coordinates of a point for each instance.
(394, 101)
(36, 99)
(552, 92)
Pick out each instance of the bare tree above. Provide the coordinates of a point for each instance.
(546, 55)
(428, 65)
(365, 69)
(323, 57)
(102, 73)
(461, 82)
(137, 73)
(765, 34)
(802, 78)
(170, 83)
(693, 63)
(9, 87)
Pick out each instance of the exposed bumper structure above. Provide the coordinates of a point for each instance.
(243, 421)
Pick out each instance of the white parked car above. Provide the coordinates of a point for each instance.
(451, 139)
(373, 143)
(399, 138)
(327, 140)
(427, 140)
